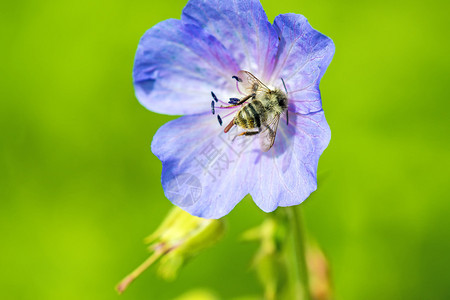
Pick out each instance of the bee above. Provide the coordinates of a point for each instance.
(261, 110)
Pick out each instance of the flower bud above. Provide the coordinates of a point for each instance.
(198, 294)
(268, 261)
(179, 237)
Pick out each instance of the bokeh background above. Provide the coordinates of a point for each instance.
(80, 188)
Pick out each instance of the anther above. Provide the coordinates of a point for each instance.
(237, 78)
(282, 80)
(212, 107)
(233, 100)
(214, 97)
(219, 119)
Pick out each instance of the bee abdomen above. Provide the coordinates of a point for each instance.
(248, 116)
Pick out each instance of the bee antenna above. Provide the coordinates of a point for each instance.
(282, 80)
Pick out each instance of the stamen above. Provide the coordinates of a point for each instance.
(212, 107)
(226, 107)
(229, 114)
(284, 85)
(237, 84)
(233, 100)
(219, 119)
(237, 78)
(214, 96)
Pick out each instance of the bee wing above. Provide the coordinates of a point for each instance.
(251, 83)
(268, 132)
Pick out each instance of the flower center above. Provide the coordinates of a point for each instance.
(257, 112)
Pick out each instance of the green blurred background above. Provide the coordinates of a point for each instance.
(79, 187)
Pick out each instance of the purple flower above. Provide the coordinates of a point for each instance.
(192, 67)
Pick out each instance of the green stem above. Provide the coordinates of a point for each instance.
(138, 271)
(300, 271)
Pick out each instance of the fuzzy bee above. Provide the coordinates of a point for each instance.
(260, 111)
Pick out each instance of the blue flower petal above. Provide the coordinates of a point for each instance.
(287, 174)
(206, 174)
(304, 55)
(242, 27)
(203, 172)
(178, 65)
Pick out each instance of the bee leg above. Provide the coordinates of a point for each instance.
(229, 126)
(240, 101)
(247, 133)
(246, 98)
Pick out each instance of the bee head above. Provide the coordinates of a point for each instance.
(281, 98)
